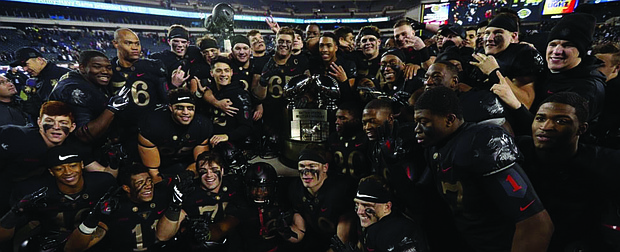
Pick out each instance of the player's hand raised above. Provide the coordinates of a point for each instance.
(120, 101)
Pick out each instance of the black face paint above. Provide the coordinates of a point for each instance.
(370, 212)
(65, 129)
(498, 40)
(218, 173)
(47, 127)
(309, 171)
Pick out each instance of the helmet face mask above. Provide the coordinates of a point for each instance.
(261, 193)
(261, 179)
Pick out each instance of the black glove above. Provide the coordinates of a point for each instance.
(30, 201)
(105, 206)
(177, 199)
(401, 98)
(33, 200)
(202, 233)
(416, 25)
(389, 142)
(120, 101)
(116, 156)
(54, 240)
(283, 222)
(184, 181)
(337, 245)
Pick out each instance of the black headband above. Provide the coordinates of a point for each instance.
(178, 32)
(369, 31)
(312, 156)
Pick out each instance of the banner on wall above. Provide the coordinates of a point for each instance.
(436, 13)
(555, 7)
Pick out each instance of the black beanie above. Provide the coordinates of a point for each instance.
(62, 154)
(181, 95)
(505, 22)
(207, 44)
(396, 52)
(239, 39)
(373, 190)
(577, 28)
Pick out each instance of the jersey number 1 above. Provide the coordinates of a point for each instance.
(137, 230)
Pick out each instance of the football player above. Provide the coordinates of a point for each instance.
(130, 217)
(321, 204)
(170, 140)
(57, 202)
(476, 172)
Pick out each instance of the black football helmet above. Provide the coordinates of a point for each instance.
(261, 179)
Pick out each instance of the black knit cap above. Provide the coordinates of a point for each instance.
(505, 22)
(61, 154)
(239, 39)
(181, 95)
(373, 189)
(178, 32)
(396, 52)
(577, 28)
(208, 44)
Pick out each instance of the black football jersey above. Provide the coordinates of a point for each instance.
(351, 154)
(87, 100)
(321, 213)
(174, 141)
(477, 174)
(132, 225)
(62, 213)
(242, 76)
(275, 77)
(239, 126)
(172, 62)
(394, 232)
(146, 81)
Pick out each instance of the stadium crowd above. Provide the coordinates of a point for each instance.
(474, 140)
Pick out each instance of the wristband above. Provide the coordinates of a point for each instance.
(86, 230)
(493, 79)
(173, 213)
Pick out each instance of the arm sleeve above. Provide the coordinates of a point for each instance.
(244, 122)
(520, 120)
(501, 176)
(161, 81)
(513, 193)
